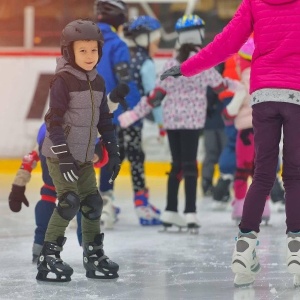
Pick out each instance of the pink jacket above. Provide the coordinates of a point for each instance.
(276, 59)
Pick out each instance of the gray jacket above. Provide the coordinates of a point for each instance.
(77, 100)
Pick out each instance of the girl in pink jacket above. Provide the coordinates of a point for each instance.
(275, 99)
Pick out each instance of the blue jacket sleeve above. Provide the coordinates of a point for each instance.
(122, 54)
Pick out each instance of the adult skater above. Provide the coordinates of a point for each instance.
(275, 99)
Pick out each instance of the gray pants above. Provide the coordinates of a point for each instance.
(214, 142)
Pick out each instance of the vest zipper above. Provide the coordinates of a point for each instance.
(92, 121)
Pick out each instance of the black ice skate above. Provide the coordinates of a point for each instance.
(50, 262)
(94, 260)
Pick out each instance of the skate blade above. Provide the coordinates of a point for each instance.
(172, 228)
(243, 280)
(42, 276)
(296, 281)
(109, 275)
(193, 228)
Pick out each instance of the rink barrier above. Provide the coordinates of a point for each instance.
(11, 166)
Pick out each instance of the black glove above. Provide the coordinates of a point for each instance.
(114, 162)
(244, 135)
(17, 197)
(174, 71)
(118, 94)
(67, 164)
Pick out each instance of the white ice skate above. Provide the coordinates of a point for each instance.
(293, 256)
(193, 223)
(108, 216)
(245, 263)
(172, 218)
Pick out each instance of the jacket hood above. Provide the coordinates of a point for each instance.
(278, 2)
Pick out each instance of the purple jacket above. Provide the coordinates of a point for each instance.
(276, 59)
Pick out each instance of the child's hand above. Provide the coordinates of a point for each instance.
(68, 166)
(114, 162)
(17, 197)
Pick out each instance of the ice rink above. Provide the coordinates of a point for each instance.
(153, 265)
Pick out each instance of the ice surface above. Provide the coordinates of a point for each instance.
(153, 266)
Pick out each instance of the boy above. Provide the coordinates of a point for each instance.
(78, 108)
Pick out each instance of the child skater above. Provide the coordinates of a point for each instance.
(78, 110)
(275, 99)
(184, 114)
(143, 35)
(240, 109)
(45, 206)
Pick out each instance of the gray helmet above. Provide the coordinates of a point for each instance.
(79, 30)
(113, 12)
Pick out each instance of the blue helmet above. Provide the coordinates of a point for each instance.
(142, 24)
(188, 22)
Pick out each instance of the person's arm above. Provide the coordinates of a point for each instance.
(108, 134)
(121, 62)
(59, 103)
(54, 119)
(17, 194)
(225, 44)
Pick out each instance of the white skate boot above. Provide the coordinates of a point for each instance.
(172, 218)
(108, 216)
(245, 263)
(293, 256)
(193, 223)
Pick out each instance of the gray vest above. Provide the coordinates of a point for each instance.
(82, 115)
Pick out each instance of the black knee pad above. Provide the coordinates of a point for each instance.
(190, 169)
(94, 204)
(68, 205)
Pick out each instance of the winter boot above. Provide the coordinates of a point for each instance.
(172, 218)
(237, 209)
(108, 216)
(148, 214)
(193, 223)
(245, 263)
(49, 261)
(94, 260)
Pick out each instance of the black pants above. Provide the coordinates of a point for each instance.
(184, 146)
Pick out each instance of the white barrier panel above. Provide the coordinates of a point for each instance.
(23, 80)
